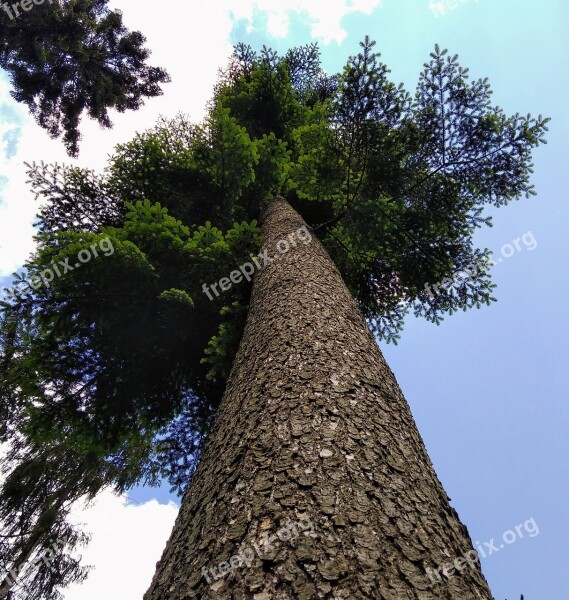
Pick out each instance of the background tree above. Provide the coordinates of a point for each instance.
(124, 361)
(67, 57)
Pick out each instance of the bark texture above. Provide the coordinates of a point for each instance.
(313, 426)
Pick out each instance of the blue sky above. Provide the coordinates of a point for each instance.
(488, 388)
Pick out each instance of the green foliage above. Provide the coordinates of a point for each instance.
(408, 180)
(73, 56)
(318, 173)
(227, 157)
(222, 347)
(262, 99)
(158, 164)
(273, 166)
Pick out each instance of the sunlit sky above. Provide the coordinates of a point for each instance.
(488, 388)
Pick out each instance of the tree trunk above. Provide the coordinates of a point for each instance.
(313, 434)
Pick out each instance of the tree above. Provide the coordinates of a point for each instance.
(70, 56)
(125, 359)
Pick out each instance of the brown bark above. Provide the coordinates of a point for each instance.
(313, 425)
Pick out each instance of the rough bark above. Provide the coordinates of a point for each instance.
(313, 425)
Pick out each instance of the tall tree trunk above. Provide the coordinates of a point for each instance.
(313, 432)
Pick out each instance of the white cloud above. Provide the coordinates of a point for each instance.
(15, 216)
(325, 17)
(126, 543)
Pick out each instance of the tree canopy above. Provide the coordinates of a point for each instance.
(75, 56)
(120, 364)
